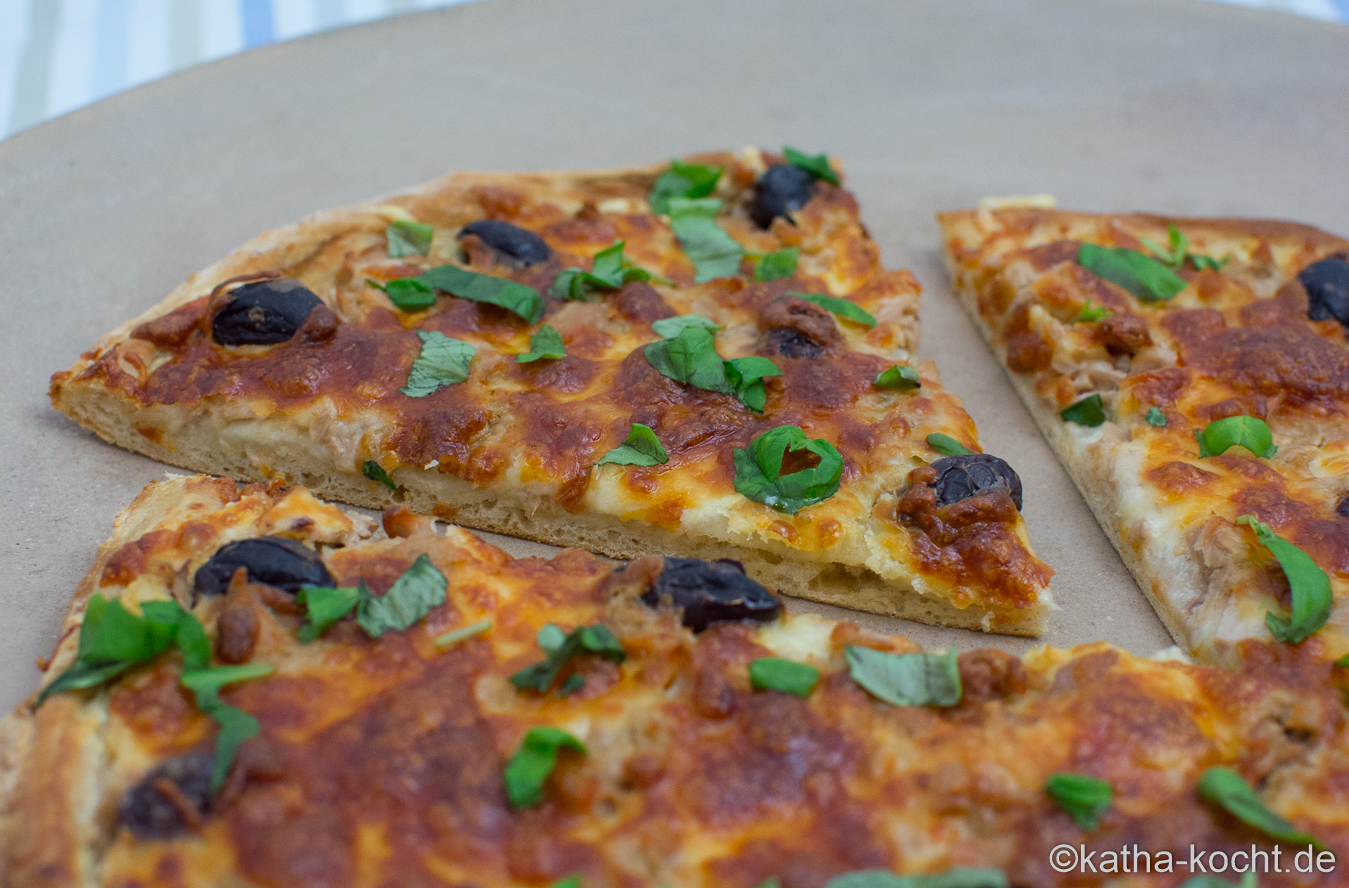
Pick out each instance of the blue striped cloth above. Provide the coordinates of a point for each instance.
(56, 55)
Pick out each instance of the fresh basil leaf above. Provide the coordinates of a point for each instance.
(408, 238)
(597, 639)
(642, 448)
(561, 648)
(1309, 585)
(551, 638)
(898, 377)
(669, 328)
(442, 361)
(536, 758)
(207, 683)
(691, 358)
(324, 605)
(408, 294)
(1083, 797)
(572, 881)
(113, 640)
(714, 252)
(463, 633)
(1342, 662)
(1156, 417)
(1092, 313)
(375, 472)
(841, 307)
(758, 470)
(1146, 278)
(190, 638)
(1226, 789)
(958, 877)
(83, 675)
(817, 165)
(523, 300)
(1088, 412)
(236, 725)
(571, 684)
(947, 446)
(745, 377)
(906, 679)
(788, 676)
(682, 180)
(1236, 431)
(1180, 251)
(411, 597)
(776, 265)
(547, 343)
(609, 270)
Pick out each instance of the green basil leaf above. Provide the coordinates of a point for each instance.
(1226, 789)
(443, 361)
(1146, 278)
(776, 265)
(1342, 662)
(642, 448)
(551, 638)
(714, 252)
(572, 881)
(1088, 412)
(745, 376)
(758, 470)
(411, 597)
(609, 271)
(841, 307)
(669, 328)
(958, 877)
(947, 446)
(206, 683)
(547, 343)
(1309, 585)
(324, 605)
(523, 300)
(375, 472)
(898, 377)
(1083, 797)
(788, 676)
(682, 180)
(463, 633)
(906, 679)
(561, 648)
(1156, 417)
(113, 640)
(1092, 313)
(817, 165)
(1180, 251)
(409, 294)
(83, 675)
(597, 639)
(408, 238)
(527, 770)
(691, 358)
(236, 725)
(1236, 431)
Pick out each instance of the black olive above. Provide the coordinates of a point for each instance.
(961, 477)
(1327, 285)
(273, 561)
(263, 313)
(780, 190)
(712, 592)
(523, 246)
(149, 813)
(1343, 508)
(792, 343)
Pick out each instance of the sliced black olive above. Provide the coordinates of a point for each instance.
(780, 190)
(1327, 285)
(792, 343)
(961, 477)
(273, 561)
(1343, 508)
(263, 313)
(712, 592)
(521, 245)
(170, 800)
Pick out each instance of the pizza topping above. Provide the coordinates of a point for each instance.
(1236, 431)
(536, 758)
(1089, 313)
(547, 343)
(1307, 583)
(777, 265)
(714, 253)
(1087, 412)
(408, 238)
(560, 648)
(669, 328)
(1123, 333)
(236, 632)
(442, 361)
(844, 308)
(815, 164)
(947, 446)
(963, 476)
(1179, 251)
(780, 191)
(1156, 417)
(279, 562)
(522, 300)
(609, 270)
(375, 472)
(236, 726)
(682, 180)
(787, 471)
(691, 357)
(525, 247)
(711, 592)
(788, 676)
(906, 679)
(324, 605)
(171, 800)
(796, 328)
(898, 377)
(1146, 278)
(463, 633)
(1343, 508)
(1083, 797)
(956, 877)
(1327, 286)
(1226, 789)
(642, 448)
(263, 313)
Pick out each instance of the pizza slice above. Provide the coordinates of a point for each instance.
(1192, 374)
(254, 688)
(702, 358)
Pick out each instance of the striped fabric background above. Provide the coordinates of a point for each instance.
(56, 55)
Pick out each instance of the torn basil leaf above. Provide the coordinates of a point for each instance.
(947, 446)
(463, 633)
(1092, 313)
(1236, 431)
(817, 164)
(236, 725)
(682, 180)
(1180, 251)
(1308, 584)
(609, 270)
(642, 448)
(758, 470)
(841, 307)
(408, 238)
(714, 253)
(113, 640)
(442, 361)
(1156, 417)
(1084, 798)
(691, 358)
(324, 605)
(669, 328)
(572, 881)
(1342, 662)
(1226, 788)
(745, 376)
(411, 597)
(906, 679)
(1088, 412)
(776, 265)
(375, 472)
(520, 299)
(788, 676)
(957, 877)
(1144, 277)
(527, 770)
(408, 294)
(561, 648)
(897, 377)
(547, 343)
